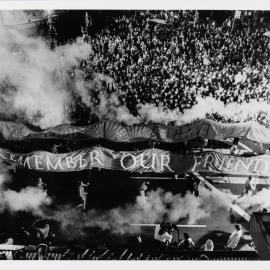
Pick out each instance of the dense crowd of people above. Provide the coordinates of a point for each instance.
(179, 56)
(40, 240)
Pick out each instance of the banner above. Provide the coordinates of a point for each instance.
(149, 160)
(161, 21)
(116, 132)
(237, 14)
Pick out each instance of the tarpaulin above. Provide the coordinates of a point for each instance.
(148, 160)
(120, 133)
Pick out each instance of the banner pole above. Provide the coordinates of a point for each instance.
(233, 21)
(235, 207)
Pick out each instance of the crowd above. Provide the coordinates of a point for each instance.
(170, 62)
(42, 239)
(165, 236)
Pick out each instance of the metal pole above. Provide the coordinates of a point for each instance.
(226, 200)
(155, 224)
(233, 21)
(195, 18)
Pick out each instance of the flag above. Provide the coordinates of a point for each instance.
(161, 21)
(267, 34)
(237, 14)
(196, 17)
(88, 20)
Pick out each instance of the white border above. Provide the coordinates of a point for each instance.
(136, 4)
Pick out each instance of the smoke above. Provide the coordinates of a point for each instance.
(38, 85)
(205, 108)
(30, 199)
(32, 78)
(256, 202)
(151, 113)
(110, 108)
(156, 207)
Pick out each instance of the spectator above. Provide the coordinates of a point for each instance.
(42, 237)
(234, 238)
(83, 192)
(143, 189)
(187, 243)
(171, 64)
(250, 187)
(208, 245)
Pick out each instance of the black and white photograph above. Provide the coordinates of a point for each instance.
(135, 134)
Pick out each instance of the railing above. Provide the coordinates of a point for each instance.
(58, 253)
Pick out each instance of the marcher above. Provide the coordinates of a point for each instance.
(83, 194)
(187, 243)
(208, 245)
(250, 187)
(234, 238)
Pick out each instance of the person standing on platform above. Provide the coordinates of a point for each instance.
(43, 238)
(234, 238)
(250, 187)
(143, 189)
(208, 245)
(43, 187)
(187, 243)
(83, 191)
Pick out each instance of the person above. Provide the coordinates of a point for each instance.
(139, 239)
(166, 237)
(41, 185)
(234, 150)
(187, 243)
(250, 187)
(42, 237)
(143, 189)
(163, 233)
(83, 194)
(208, 245)
(55, 149)
(234, 238)
(195, 190)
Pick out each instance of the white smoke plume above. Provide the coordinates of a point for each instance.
(158, 206)
(110, 108)
(205, 107)
(37, 84)
(32, 78)
(30, 199)
(158, 114)
(256, 202)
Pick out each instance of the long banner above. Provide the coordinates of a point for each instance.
(119, 133)
(149, 160)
